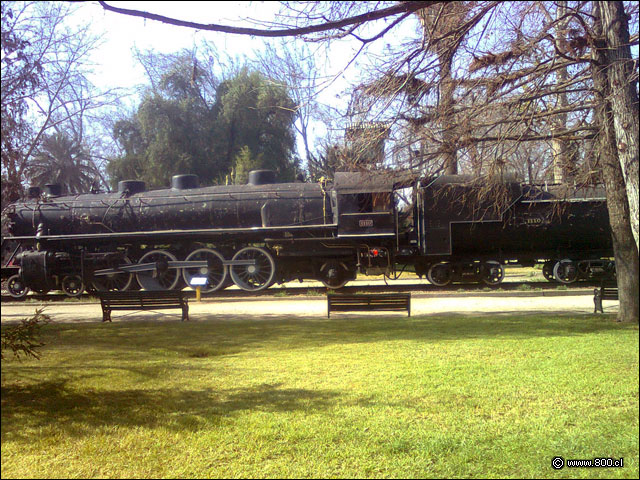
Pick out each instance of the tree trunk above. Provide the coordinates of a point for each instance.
(559, 144)
(448, 121)
(624, 99)
(624, 246)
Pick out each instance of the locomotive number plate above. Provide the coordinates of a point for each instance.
(365, 223)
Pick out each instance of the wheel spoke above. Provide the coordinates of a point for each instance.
(253, 277)
(215, 271)
(115, 282)
(159, 278)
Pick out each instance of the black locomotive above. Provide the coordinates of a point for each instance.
(265, 232)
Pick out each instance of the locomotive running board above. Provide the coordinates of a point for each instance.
(357, 235)
(171, 233)
(147, 267)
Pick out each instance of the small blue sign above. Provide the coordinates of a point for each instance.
(198, 281)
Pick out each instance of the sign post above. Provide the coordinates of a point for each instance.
(198, 282)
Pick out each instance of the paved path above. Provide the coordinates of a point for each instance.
(573, 302)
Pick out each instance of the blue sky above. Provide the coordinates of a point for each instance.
(122, 33)
(116, 67)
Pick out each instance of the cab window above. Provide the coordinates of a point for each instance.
(366, 202)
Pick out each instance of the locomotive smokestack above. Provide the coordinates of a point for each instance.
(33, 192)
(261, 177)
(184, 182)
(53, 189)
(131, 187)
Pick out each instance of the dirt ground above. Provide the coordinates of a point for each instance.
(314, 307)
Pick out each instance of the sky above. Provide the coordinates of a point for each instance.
(116, 67)
(122, 33)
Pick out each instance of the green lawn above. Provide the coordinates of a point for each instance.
(437, 396)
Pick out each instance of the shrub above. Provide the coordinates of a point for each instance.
(23, 339)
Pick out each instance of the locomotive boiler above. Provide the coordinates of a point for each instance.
(265, 232)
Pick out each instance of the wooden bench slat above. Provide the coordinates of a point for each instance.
(142, 300)
(368, 302)
(134, 302)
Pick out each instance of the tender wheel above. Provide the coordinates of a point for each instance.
(161, 277)
(335, 275)
(565, 271)
(72, 285)
(584, 269)
(215, 271)
(492, 273)
(256, 276)
(440, 274)
(114, 282)
(547, 271)
(16, 287)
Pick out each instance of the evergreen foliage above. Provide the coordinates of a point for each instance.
(63, 160)
(23, 339)
(177, 129)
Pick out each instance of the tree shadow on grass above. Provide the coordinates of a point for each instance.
(56, 407)
(211, 337)
(30, 405)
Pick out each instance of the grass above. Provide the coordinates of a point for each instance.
(312, 292)
(524, 287)
(60, 298)
(354, 396)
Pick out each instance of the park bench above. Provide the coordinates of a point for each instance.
(143, 300)
(606, 291)
(368, 302)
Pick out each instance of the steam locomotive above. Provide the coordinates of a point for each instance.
(448, 228)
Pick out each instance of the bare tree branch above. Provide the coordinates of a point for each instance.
(400, 8)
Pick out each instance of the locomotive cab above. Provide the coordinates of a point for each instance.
(363, 206)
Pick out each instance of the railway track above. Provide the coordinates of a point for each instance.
(316, 289)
